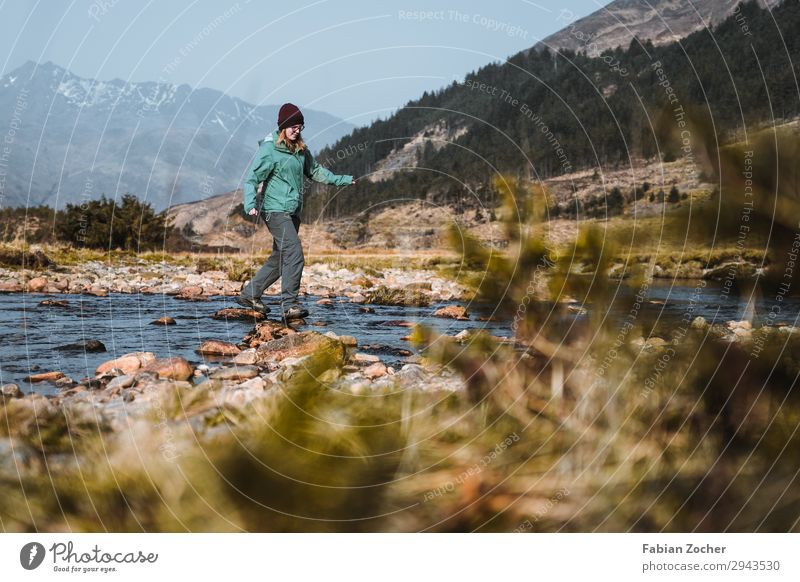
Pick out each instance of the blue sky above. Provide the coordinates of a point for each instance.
(355, 60)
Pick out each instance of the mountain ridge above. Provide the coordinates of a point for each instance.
(618, 23)
(163, 142)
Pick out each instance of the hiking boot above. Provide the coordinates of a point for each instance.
(295, 312)
(254, 304)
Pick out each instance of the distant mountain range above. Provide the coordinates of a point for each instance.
(68, 138)
(659, 21)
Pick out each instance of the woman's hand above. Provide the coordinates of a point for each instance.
(353, 182)
(253, 212)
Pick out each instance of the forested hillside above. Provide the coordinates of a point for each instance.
(541, 114)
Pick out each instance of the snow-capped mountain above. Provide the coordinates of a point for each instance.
(70, 139)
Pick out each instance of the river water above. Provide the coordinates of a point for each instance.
(33, 336)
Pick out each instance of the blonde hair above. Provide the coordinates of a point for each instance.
(293, 146)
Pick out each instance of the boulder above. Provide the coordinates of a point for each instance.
(235, 373)
(120, 382)
(246, 357)
(54, 303)
(191, 293)
(374, 371)
(385, 350)
(365, 358)
(255, 384)
(452, 312)
(11, 391)
(348, 340)
(176, 368)
(399, 323)
(238, 314)
(128, 364)
(10, 287)
(299, 345)
(218, 348)
(266, 331)
(699, 323)
(412, 375)
(164, 321)
(326, 302)
(96, 291)
(37, 285)
(91, 345)
(45, 377)
(463, 335)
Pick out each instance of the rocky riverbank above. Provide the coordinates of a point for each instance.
(269, 358)
(321, 279)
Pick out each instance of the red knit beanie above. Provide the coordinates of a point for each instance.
(289, 115)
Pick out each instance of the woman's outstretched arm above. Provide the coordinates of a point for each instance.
(320, 173)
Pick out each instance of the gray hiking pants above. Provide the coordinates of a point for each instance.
(285, 263)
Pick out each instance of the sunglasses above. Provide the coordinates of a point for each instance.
(296, 127)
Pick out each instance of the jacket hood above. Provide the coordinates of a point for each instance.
(269, 137)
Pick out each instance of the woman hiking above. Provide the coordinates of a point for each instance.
(281, 162)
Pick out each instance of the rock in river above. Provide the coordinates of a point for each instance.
(235, 373)
(374, 371)
(45, 377)
(452, 312)
(218, 348)
(37, 285)
(238, 314)
(127, 364)
(11, 391)
(91, 345)
(298, 345)
(171, 368)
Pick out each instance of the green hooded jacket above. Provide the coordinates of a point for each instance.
(283, 171)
